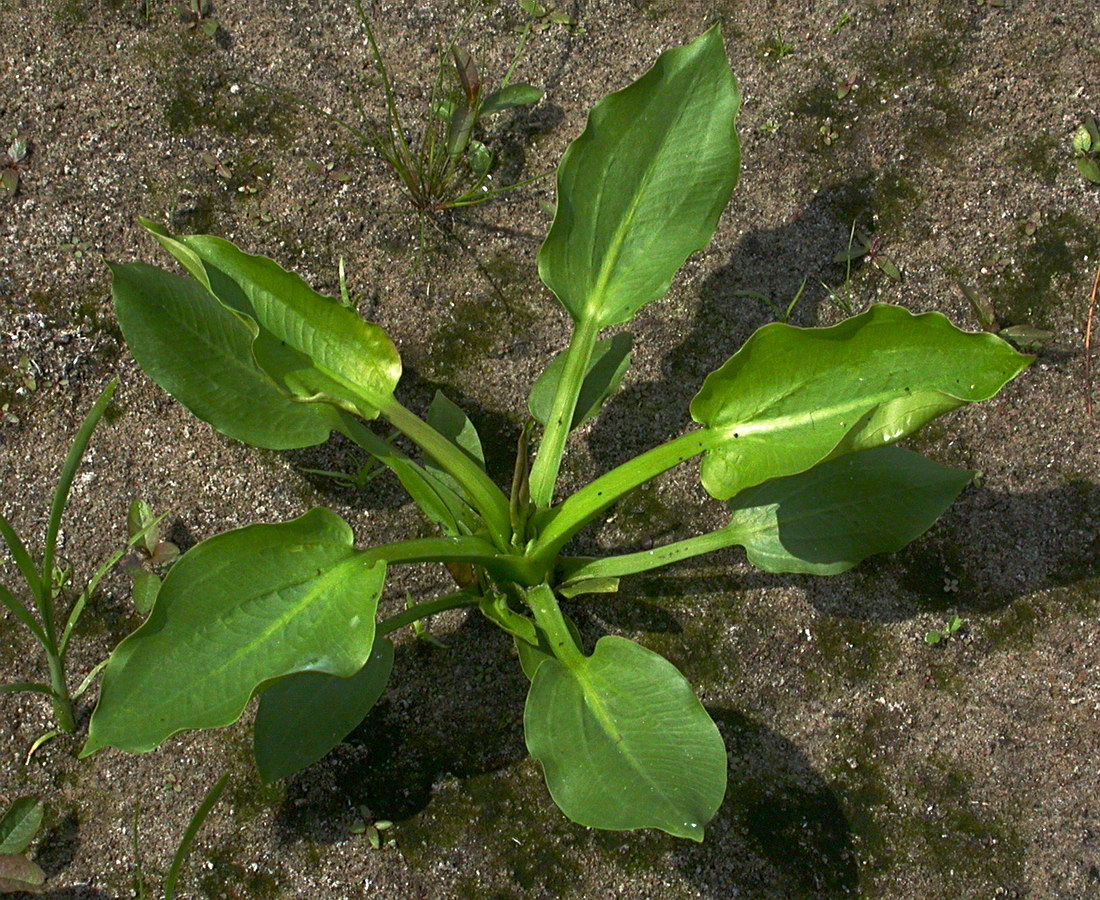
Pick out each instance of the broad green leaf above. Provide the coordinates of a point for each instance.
(1089, 169)
(237, 611)
(828, 519)
(303, 716)
(450, 421)
(200, 352)
(643, 186)
(356, 354)
(18, 874)
(606, 368)
(792, 397)
(509, 98)
(146, 587)
(625, 743)
(20, 824)
(296, 374)
(294, 371)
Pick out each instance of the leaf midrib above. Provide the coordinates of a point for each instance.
(620, 745)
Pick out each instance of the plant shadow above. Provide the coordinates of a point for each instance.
(782, 830)
(426, 728)
(959, 565)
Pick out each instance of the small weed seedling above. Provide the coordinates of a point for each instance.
(448, 165)
(13, 161)
(546, 15)
(46, 584)
(828, 132)
(782, 313)
(17, 829)
(776, 48)
(841, 22)
(861, 245)
(796, 434)
(950, 628)
(200, 15)
(150, 556)
(1086, 147)
(845, 88)
(1024, 337)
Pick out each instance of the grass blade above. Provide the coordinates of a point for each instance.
(22, 614)
(61, 497)
(20, 687)
(197, 820)
(87, 682)
(22, 559)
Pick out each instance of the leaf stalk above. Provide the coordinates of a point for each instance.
(544, 472)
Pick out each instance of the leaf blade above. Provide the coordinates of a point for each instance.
(618, 237)
(200, 352)
(624, 742)
(828, 519)
(239, 610)
(510, 97)
(20, 824)
(20, 874)
(304, 716)
(606, 368)
(357, 354)
(792, 397)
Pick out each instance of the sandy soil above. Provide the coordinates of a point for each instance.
(863, 761)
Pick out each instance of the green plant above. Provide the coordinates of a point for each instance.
(841, 21)
(795, 434)
(828, 132)
(863, 246)
(776, 48)
(1086, 147)
(47, 583)
(151, 556)
(544, 16)
(950, 628)
(782, 313)
(1023, 337)
(200, 15)
(17, 829)
(15, 159)
(447, 165)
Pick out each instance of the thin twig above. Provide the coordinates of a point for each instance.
(1088, 344)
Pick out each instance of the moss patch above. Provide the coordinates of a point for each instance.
(198, 90)
(1028, 292)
